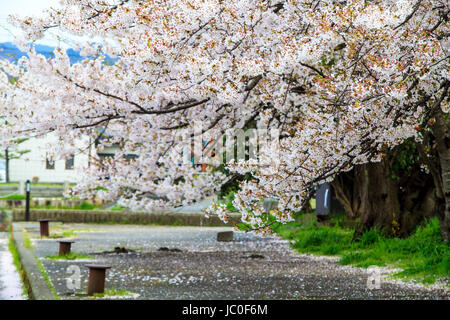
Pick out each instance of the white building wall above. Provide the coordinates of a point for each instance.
(33, 163)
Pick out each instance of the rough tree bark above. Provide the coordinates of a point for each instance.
(348, 191)
(380, 205)
(442, 137)
(395, 205)
(7, 165)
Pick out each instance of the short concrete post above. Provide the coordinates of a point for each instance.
(43, 227)
(21, 187)
(64, 247)
(225, 236)
(269, 204)
(96, 282)
(66, 188)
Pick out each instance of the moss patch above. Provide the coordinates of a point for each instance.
(69, 256)
(46, 278)
(109, 294)
(27, 241)
(16, 261)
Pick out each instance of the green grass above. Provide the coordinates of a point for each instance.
(175, 223)
(16, 261)
(50, 185)
(46, 278)
(8, 184)
(117, 208)
(69, 256)
(114, 292)
(83, 206)
(57, 233)
(423, 256)
(27, 241)
(108, 292)
(66, 234)
(14, 197)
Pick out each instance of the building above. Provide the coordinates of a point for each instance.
(35, 165)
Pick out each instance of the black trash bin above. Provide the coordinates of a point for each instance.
(326, 202)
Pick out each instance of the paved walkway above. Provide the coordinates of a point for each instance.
(200, 267)
(10, 283)
(195, 208)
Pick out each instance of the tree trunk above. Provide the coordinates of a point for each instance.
(381, 208)
(7, 165)
(347, 186)
(442, 136)
(307, 207)
(417, 197)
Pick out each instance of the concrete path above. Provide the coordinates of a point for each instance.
(194, 265)
(10, 282)
(195, 208)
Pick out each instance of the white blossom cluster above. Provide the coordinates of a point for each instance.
(342, 81)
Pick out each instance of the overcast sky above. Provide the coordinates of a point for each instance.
(25, 8)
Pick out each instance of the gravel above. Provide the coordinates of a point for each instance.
(197, 266)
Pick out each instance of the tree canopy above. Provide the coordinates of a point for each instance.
(342, 81)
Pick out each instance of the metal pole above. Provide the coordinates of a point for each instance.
(43, 227)
(96, 281)
(27, 201)
(64, 247)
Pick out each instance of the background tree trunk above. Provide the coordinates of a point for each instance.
(442, 136)
(395, 199)
(348, 186)
(7, 165)
(381, 208)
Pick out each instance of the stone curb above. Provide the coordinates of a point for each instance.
(37, 286)
(100, 216)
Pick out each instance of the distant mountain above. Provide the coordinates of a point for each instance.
(9, 51)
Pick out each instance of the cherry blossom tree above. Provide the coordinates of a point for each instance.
(342, 81)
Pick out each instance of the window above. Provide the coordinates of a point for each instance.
(70, 162)
(49, 164)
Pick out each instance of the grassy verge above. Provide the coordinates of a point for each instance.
(64, 234)
(46, 278)
(50, 185)
(26, 240)
(59, 232)
(175, 223)
(14, 197)
(110, 293)
(69, 256)
(117, 208)
(114, 293)
(16, 261)
(423, 256)
(83, 206)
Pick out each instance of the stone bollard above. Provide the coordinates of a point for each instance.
(43, 227)
(64, 247)
(225, 236)
(96, 282)
(66, 188)
(269, 204)
(21, 187)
